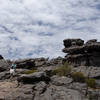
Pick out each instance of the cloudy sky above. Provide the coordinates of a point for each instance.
(36, 28)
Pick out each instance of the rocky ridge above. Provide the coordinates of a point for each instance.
(42, 85)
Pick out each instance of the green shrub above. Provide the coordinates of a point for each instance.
(78, 77)
(63, 70)
(91, 82)
(30, 71)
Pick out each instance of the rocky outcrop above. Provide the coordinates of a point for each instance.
(34, 80)
(80, 53)
(38, 62)
(61, 81)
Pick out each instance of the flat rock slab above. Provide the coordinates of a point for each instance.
(10, 91)
(6, 88)
(4, 66)
(56, 80)
(60, 93)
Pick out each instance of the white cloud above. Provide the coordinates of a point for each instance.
(34, 28)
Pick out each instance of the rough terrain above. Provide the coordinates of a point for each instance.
(42, 85)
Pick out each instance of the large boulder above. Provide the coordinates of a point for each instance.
(55, 61)
(92, 72)
(91, 41)
(4, 75)
(33, 78)
(40, 62)
(46, 62)
(39, 88)
(74, 50)
(9, 91)
(25, 63)
(60, 81)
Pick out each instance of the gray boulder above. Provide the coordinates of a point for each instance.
(4, 75)
(4, 66)
(60, 81)
(25, 63)
(70, 42)
(33, 78)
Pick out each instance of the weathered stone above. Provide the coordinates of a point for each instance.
(33, 78)
(85, 54)
(10, 91)
(25, 63)
(60, 93)
(4, 66)
(1, 57)
(70, 42)
(60, 81)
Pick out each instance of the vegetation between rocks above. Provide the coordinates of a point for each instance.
(78, 77)
(91, 82)
(63, 70)
(30, 71)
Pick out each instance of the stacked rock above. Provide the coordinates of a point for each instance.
(80, 53)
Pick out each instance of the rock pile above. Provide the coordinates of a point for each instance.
(38, 62)
(80, 53)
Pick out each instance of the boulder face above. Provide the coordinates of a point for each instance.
(33, 78)
(25, 63)
(1, 57)
(4, 66)
(80, 53)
